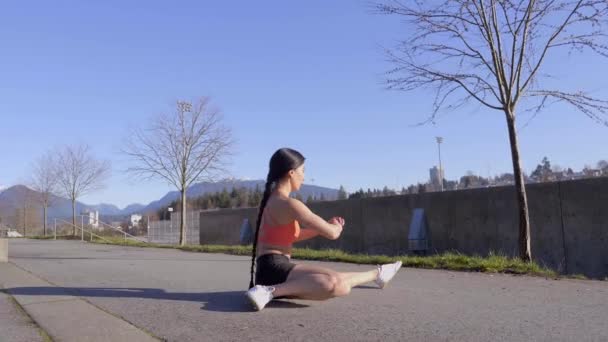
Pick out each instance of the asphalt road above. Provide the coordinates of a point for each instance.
(181, 296)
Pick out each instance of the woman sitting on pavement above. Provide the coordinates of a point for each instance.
(278, 227)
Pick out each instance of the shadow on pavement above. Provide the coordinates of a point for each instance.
(223, 301)
(366, 287)
(121, 259)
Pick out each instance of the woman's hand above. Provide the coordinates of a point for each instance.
(337, 220)
(337, 223)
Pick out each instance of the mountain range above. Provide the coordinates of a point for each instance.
(18, 196)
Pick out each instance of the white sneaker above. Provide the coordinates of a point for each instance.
(387, 272)
(260, 295)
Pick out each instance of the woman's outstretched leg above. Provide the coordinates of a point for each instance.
(319, 283)
(312, 283)
(358, 278)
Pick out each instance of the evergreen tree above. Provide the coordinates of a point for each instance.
(421, 188)
(342, 193)
(234, 193)
(224, 199)
(256, 197)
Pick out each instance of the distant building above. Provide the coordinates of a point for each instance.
(134, 221)
(116, 224)
(436, 178)
(592, 172)
(91, 218)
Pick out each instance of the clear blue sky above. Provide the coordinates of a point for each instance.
(306, 75)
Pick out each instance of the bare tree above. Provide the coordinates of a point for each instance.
(44, 181)
(79, 173)
(184, 147)
(492, 52)
(24, 212)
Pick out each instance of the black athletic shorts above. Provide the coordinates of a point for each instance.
(272, 269)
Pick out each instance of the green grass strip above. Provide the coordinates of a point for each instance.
(492, 263)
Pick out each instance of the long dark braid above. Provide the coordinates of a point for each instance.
(267, 192)
(281, 162)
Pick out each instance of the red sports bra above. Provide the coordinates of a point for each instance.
(283, 235)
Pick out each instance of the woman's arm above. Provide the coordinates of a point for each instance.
(310, 220)
(306, 234)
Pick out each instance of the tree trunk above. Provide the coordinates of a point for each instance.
(74, 217)
(525, 252)
(44, 220)
(24, 221)
(182, 224)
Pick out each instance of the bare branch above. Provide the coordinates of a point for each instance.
(487, 48)
(595, 109)
(78, 172)
(420, 75)
(546, 48)
(44, 178)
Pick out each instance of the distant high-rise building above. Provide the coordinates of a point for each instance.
(437, 177)
(91, 218)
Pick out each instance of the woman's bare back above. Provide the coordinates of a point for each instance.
(276, 213)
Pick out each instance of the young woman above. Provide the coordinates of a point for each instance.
(281, 222)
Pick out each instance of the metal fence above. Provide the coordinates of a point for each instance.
(167, 231)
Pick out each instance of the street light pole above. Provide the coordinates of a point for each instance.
(439, 141)
(170, 210)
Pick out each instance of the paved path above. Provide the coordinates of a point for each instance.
(181, 296)
(15, 325)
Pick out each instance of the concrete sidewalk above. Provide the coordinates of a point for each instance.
(15, 324)
(65, 317)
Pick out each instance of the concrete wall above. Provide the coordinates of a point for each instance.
(569, 223)
(224, 226)
(585, 222)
